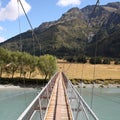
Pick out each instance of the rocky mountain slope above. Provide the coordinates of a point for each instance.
(78, 31)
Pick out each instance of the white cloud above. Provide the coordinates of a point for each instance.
(2, 39)
(10, 12)
(65, 3)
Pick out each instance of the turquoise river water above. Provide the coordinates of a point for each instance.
(105, 103)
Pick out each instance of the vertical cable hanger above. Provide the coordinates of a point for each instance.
(20, 37)
(95, 54)
(97, 3)
(33, 36)
(19, 27)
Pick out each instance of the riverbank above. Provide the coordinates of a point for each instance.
(9, 86)
(82, 85)
(33, 84)
(104, 82)
(22, 82)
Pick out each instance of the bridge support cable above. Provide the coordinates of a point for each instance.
(21, 50)
(95, 52)
(95, 55)
(97, 4)
(40, 108)
(32, 30)
(19, 26)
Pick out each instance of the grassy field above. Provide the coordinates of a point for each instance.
(81, 71)
(90, 72)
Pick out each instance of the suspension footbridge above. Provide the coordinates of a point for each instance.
(58, 100)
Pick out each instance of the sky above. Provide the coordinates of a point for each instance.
(13, 20)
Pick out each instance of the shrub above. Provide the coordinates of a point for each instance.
(106, 61)
(96, 60)
(117, 62)
(81, 59)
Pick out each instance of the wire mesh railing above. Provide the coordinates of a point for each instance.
(80, 109)
(39, 104)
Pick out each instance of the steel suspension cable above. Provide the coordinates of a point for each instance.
(95, 54)
(83, 65)
(33, 33)
(97, 4)
(26, 15)
(70, 63)
(21, 50)
(29, 24)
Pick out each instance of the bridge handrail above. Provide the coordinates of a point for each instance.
(22, 116)
(68, 83)
(69, 103)
(83, 101)
(48, 106)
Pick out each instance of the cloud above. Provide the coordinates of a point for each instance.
(10, 12)
(65, 3)
(2, 39)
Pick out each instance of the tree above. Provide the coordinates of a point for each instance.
(117, 61)
(47, 65)
(70, 59)
(14, 64)
(96, 60)
(1, 67)
(4, 59)
(23, 59)
(106, 61)
(81, 59)
(32, 64)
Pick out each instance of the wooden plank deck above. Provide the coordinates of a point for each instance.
(58, 108)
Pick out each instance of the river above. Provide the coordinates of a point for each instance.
(14, 100)
(105, 102)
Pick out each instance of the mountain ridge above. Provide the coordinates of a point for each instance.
(68, 35)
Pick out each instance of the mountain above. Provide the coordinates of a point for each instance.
(78, 31)
(107, 37)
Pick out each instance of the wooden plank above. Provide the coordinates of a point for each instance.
(60, 105)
